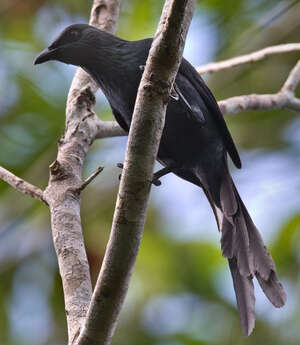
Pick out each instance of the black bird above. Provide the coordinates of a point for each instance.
(194, 146)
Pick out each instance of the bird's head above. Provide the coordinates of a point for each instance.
(69, 46)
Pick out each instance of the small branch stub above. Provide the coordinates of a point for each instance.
(90, 179)
(54, 167)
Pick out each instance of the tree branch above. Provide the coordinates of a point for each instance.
(65, 181)
(21, 185)
(107, 129)
(284, 99)
(293, 79)
(248, 58)
(144, 137)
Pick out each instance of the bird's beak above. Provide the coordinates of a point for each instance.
(46, 55)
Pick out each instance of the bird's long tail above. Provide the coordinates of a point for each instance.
(247, 255)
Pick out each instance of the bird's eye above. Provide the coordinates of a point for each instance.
(74, 33)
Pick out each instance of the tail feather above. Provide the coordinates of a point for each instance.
(227, 196)
(273, 289)
(228, 238)
(263, 262)
(242, 247)
(247, 255)
(244, 291)
(265, 271)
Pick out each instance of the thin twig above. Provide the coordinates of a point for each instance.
(21, 185)
(248, 58)
(284, 99)
(90, 179)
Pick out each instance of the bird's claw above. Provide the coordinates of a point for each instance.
(155, 180)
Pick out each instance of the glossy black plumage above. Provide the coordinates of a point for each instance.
(194, 144)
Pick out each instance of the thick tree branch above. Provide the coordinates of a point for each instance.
(144, 137)
(62, 192)
(248, 58)
(21, 185)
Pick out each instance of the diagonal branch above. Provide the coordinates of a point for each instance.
(89, 179)
(21, 185)
(284, 99)
(143, 142)
(248, 58)
(293, 79)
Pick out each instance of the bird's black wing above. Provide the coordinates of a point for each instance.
(191, 106)
(190, 74)
(189, 103)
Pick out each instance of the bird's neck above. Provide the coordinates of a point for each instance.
(116, 66)
(107, 64)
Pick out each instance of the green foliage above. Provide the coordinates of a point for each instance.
(286, 248)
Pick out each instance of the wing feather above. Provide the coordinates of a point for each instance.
(189, 72)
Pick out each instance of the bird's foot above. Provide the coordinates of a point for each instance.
(155, 179)
(160, 173)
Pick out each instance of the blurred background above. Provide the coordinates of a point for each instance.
(181, 292)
